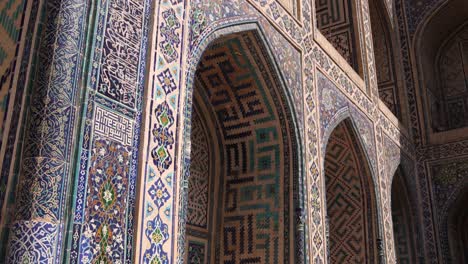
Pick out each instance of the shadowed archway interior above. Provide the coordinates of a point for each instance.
(242, 195)
(387, 62)
(351, 210)
(403, 228)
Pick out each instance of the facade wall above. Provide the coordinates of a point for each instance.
(105, 168)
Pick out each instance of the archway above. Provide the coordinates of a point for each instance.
(350, 196)
(383, 36)
(243, 190)
(337, 21)
(441, 51)
(403, 229)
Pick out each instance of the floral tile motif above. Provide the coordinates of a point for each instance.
(104, 228)
(117, 73)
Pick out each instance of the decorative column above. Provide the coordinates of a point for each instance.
(46, 158)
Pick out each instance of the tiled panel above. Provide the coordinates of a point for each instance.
(105, 190)
(350, 200)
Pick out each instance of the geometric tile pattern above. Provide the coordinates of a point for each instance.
(336, 22)
(383, 51)
(199, 181)
(209, 13)
(350, 201)
(197, 254)
(391, 157)
(333, 107)
(201, 192)
(106, 178)
(112, 125)
(230, 9)
(176, 31)
(12, 18)
(254, 219)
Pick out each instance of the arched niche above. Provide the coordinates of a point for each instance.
(403, 220)
(441, 110)
(337, 21)
(350, 199)
(386, 58)
(452, 73)
(244, 201)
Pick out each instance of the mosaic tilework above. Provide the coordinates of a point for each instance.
(46, 155)
(405, 43)
(229, 8)
(384, 58)
(33, 242)
(334, 106)
(202, 194)
(227, 78)
(199, 181)
(12, 21)
(287, 56)
(390, 160)
(105, 186)
(336, 22)
(369, 72)
(224, 11)
(412, 15)
(156, 226)
(112, 125)
(333, 110)
(120, 56)
(316, 223)
(12, 18)
(197, 254)
(166, 162)
(394, 133)
(350, 201)
(107, 196)
(343, 82)
(418, 12)
(12, 146)
(256, 174)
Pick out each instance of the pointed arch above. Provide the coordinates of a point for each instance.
(387, 71)
(403, 219)
(442, 106)
(257, 175)
(345, 114)
(351, 199)
(337, 20)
